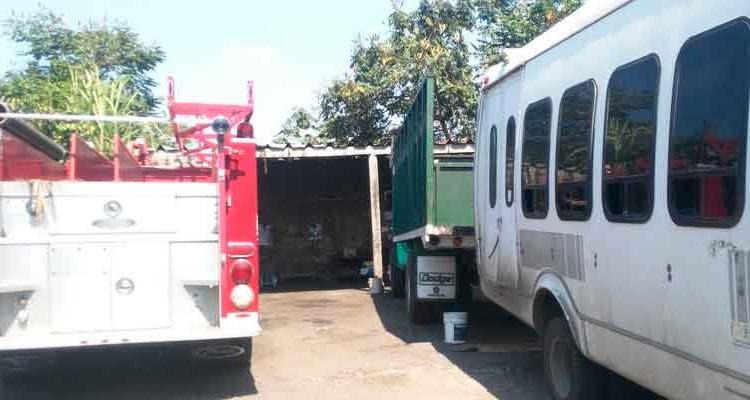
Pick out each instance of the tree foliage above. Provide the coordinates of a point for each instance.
(385, 74)
(513, 23)
(95, 68)
(89, 94)
(453, 40)
(300, 128)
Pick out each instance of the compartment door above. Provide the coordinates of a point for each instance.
(80, 287)
(140, 286)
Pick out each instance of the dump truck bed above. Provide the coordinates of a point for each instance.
(432, 193)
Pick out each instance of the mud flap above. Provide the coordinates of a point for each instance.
(436, 277)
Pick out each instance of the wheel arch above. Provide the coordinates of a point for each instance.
(552, 298)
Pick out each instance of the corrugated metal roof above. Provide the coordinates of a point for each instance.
(289, 152)
(590, 12)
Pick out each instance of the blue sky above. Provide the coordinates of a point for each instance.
(290, 48)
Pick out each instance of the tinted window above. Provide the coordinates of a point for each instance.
(535, 159)
(709, 128)
(493, 167)
(573, 164)
(629, 141)
(510, 157)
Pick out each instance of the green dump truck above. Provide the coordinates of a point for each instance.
(433, 218)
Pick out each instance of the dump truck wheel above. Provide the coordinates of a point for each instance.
(419, 312)
(398, 288)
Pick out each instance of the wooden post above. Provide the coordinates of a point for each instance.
(377, 245)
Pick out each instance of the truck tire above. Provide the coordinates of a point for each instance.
(570, 374)
(397, 282)
(419, 312)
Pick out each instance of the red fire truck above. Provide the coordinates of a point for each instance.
(100, 252)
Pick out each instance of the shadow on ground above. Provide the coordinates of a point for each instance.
(116, 376)
(312, 285)
(502, 354)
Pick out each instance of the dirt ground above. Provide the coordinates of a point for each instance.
(343, 344)
(334, 343)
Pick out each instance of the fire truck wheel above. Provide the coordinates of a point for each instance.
(397, 282)
(570, 374)
(235, 353)
(419, 312)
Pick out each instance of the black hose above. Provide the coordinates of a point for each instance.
(33, 137)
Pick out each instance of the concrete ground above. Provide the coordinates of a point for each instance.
(334, 343)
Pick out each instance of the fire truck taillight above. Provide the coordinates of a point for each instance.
(241, 271)
(245, 130)
(242, 296)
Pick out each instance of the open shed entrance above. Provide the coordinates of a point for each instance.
(315, 216)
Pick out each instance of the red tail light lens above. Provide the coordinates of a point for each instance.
(241, 271)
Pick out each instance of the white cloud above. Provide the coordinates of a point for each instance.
(221, 75)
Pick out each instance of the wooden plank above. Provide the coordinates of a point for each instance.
(377, 245)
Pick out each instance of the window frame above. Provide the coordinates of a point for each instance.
(541, 215)
(492, 184)
(590, 162)
(741, 177)
(642, 219)
(510, 183)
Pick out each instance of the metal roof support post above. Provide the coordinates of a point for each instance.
(377, 246)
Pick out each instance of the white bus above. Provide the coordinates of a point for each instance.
(610, 196)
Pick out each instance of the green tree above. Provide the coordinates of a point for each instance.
(385, 72)
(301, 127)
(514, 23)
(60, 61)
(454, 40)
(89, 94)
(351, 114)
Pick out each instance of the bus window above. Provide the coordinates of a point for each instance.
(535, 159)
(630, 133)
(493, 167)
(510, 156)
(709, 128)
(573, 160)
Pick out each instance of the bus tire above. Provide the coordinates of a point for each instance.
(570, 374)
(419, 312)
(397, 282)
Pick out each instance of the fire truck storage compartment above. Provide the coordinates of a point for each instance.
(99, 256)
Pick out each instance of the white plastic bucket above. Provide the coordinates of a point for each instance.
(456, 326)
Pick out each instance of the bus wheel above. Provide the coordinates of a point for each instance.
(570, 374)
(419, 312)
(397, 281)
(226, 353)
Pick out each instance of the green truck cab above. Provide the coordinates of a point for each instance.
(433, 217)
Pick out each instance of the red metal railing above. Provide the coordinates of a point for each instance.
(19, 161)
(87, 164)
(126, 166)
